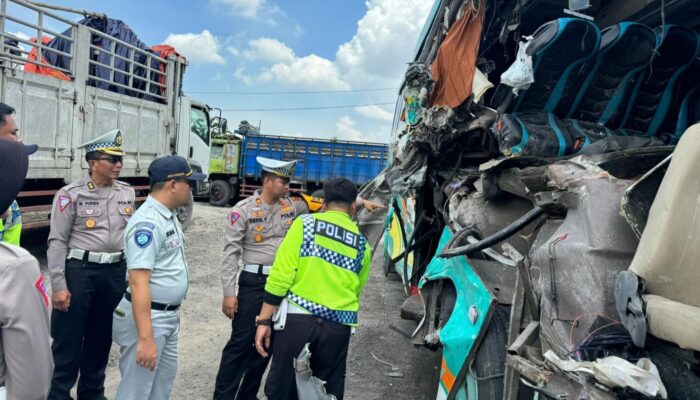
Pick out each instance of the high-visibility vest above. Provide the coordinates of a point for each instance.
(322, 266)
(11, 227)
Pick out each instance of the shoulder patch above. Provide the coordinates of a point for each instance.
(63, 202)
(234, 217)
(145, 224)
(41, 287)
(143, 238)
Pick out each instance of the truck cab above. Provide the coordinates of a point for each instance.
(194, 138)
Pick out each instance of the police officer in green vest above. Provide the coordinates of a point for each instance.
(319, 271)
(10, 219)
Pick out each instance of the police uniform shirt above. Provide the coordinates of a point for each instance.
(26, 363)
(154, 241)
(89, 218)
(254, 231)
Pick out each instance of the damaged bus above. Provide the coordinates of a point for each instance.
(543, 193)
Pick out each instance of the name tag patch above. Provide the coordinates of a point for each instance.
(172, 243)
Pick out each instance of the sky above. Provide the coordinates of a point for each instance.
(359, 49)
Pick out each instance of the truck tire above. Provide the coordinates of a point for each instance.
(219, 193)
(184, 213)
(490, 361)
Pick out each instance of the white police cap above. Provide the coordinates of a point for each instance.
(283, 169)
(109, 143)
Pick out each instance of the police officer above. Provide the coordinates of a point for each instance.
(11, 218)
(25, 351)
(146, 321)
(320, 269)
(86, 264)
(255, 228)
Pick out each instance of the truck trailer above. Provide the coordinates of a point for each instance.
(235, 173)
(73, 81)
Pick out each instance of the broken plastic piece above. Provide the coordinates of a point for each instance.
(308, 386)
(617, 372)
(630, 305)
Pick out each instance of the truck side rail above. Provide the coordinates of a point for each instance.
(132, 63)
(144, 73)
(21, 56)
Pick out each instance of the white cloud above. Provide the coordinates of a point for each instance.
(21, 45)
(241, 74)
(346, 130)
(375, 112)
(197, 47)
(20, 35)
(375, 57)
(233, 51)
(384, 41)
(310, 72)
(272, 50)
(244, 8)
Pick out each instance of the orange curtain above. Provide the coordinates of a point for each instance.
(455, 64)
(41, 70)
(163, 51)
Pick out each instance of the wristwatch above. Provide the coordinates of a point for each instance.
(265, 322)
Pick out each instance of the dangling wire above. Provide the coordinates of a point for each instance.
(655, 52)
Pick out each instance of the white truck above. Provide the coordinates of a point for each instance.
(103, 84)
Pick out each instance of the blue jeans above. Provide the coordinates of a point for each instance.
(140, 383)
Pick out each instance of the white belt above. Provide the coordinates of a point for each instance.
(255, 268)
(98, 258)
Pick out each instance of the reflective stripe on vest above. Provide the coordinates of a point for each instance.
(309, 248)
(321, 311)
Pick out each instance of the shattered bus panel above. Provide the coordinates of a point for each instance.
(524, 215)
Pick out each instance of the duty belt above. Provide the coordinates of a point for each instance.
(156, 306)
(94, 257)
(257, 268)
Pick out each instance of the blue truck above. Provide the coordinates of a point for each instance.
(235, 174)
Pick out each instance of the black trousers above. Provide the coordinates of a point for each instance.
(82, 336)
(329, 351)
(240, 360)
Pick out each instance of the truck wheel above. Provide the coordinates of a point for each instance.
(219, 193)
(490, 361)
(184, 213)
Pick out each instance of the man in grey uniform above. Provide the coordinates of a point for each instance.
(146, 321)
(25, 351)
(86, 264)
(254, 231)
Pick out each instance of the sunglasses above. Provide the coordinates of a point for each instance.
(112, 159)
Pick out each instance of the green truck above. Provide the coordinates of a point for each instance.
(224, 165)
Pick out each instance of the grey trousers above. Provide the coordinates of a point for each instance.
(140, 383)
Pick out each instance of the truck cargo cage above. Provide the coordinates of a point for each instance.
(12, 51)
(113, 64)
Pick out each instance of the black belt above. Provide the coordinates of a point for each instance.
(156, 306)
